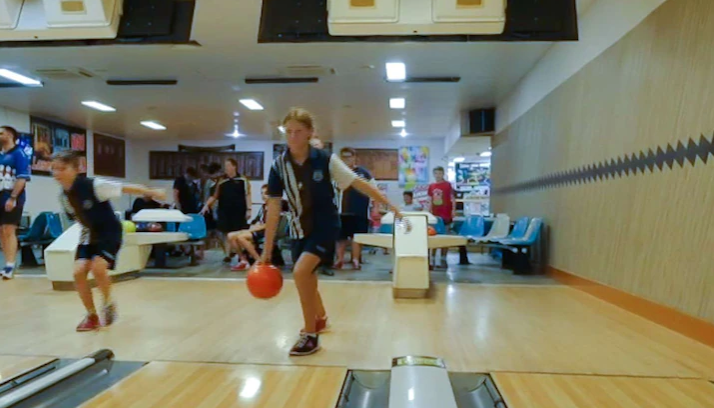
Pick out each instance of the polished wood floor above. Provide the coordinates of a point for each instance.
(225, 386)
(13, 366)
(543, 329)
(566, 391)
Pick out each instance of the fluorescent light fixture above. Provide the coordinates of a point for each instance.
(14, 76)
(397, 103)
(251, 104)
(485, 154)
(250, 388)
(281, 128)
(396, 71)
(399, 123)
(153, 125)
(98, 106)
(403, 133)
(459, 159)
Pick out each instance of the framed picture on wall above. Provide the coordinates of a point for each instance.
(49, 137)
(109, 156)
(165, 165)
(382, 163)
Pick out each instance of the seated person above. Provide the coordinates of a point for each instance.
(409, 204)
(145, 203)
(247, 239)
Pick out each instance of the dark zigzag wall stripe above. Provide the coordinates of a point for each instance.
(629, 165)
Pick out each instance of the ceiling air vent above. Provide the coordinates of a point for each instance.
(64, 73)
(306, 71)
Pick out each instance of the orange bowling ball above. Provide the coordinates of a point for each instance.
(264, 281)
(431, 231)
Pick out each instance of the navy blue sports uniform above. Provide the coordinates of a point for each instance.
(314, 220)
(354, 208)
(14, 165)
(87, 202)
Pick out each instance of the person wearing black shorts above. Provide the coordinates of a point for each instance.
(306, 175)
(354, 212)
(234, 203)
(86, 200)
(249, 238)
(14, 174)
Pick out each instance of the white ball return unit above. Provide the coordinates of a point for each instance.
(133, 255)
(411, 251)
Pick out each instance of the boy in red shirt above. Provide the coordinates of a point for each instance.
(443, 204)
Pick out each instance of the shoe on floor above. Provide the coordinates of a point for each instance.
(7, 273)
(90, 323)
(240, 266)
(306, 345)
(110, 314)
(321, 325)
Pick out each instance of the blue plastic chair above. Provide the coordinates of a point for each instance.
(37, 230)
(54, 226)
(38, 234)
(519, 228)
(440, 227)
(196, 228)
(529, 237)
(386, 228)
(473, 227)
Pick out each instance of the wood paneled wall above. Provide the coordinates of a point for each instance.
(649, 234)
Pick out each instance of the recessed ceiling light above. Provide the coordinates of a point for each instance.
(396, 71)
(153, 125)
(459, 159)
(398, 123)
(397, 103)
(236, 113)
(485, 154)
(251, 104)
(236, 133)
(403, 133)
(98, 106)
(14, 76)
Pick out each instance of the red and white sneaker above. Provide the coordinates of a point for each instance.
(321, 325)
(90, 323)
(240, 266)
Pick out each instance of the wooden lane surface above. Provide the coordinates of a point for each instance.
(193, 385)
(475, 328)
(566, 391)
(13, 366)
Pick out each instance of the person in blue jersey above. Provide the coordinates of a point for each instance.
(86, 200)
(306, 175)
(14, 174)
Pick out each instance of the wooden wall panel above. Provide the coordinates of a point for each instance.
(649, 234)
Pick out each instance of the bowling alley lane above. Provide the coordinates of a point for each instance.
(163, 384)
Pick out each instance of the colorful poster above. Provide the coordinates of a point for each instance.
(473, 177)
(413, 166)
(384, 189)
(49, 137)
(421, 196)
